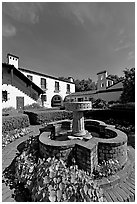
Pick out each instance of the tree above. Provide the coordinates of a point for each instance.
(128, 94)
(115, 78)
(63, 78)
(84, 85)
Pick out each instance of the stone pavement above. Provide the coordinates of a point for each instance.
(122, 189)
(117, 188)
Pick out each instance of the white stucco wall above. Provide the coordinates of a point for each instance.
(12, 94)
(51, 87)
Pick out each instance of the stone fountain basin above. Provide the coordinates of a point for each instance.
(91, 152)
(78, 106)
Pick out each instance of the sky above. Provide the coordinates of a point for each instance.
(77, 39)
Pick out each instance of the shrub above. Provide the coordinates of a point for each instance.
(33, 106)
(99, 103)
(40, 117)
(116, 114)
(9, 111)
(106, 168)
(126, 106)
(14, 122)
(10, 136)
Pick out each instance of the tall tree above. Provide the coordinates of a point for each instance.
(115, 78)
(128, 94)
(85, 85)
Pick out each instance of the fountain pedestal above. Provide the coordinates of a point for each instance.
(78, 127)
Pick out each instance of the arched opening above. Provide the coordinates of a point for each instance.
(56, 101)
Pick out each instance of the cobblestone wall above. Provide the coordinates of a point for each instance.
(116, 151)
(86, 158)
(59, 152)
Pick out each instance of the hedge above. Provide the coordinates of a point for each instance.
(128, 106)
(40, 117)
(14, 122)
(119, 114)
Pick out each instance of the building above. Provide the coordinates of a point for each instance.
(107, 90)
(17, 89)
(21, 82)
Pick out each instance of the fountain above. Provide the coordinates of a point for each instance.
(78, 126)
(89, 141)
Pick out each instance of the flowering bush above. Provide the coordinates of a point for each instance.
(51, 180)
(10, 136)
(107, 168)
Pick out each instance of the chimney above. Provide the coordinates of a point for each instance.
(13, 60)
(70, 79)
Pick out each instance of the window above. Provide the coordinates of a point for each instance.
(43, 83)
(44, 97)
(102, 84)
(68, 88)
(4, 96)
(86, 98)
(30, 77)
(56, 86)
(80, 99)
(109, 83)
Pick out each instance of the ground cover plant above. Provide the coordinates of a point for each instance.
(52, 180)
(10, 136)
(106, 168)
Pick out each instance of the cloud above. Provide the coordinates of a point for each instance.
(26, 12)
(8, 30)
(82, 12)
(131, 55)
(125, 46)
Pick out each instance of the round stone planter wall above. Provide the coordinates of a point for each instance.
(52, 148)
(87, 153)
(114, 146)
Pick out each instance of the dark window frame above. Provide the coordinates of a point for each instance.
(44, 97)
(4, 96)
(68, 88)
(43, 83)
(30, 77)
(57, 86)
